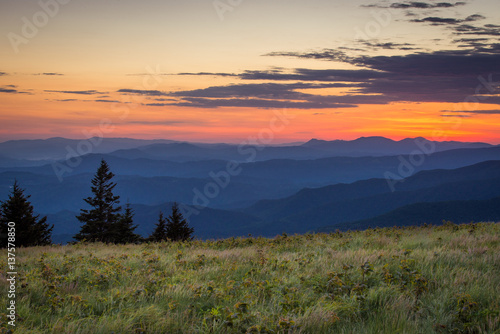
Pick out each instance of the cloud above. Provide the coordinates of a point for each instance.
(417, 5)
(162, 99)
(272, 95)
(438, 20)
(49, 74)
(79, 92)
(442, 21)
(303, 74)
(143, 92)
(329, 75)
(450, 76)
(389, 45)
(107, 101)
(486, 30)
(3, 73)
(12, 89)
(210, 74)
(256, 103)
(8, 90)
(325, 54)
(264, 90)
(443, 76)
(460, 116)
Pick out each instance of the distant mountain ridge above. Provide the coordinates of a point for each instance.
(56, 148)
(380, 146)
(458, 212)
(288, 172)
(60, 148)
(310, 209)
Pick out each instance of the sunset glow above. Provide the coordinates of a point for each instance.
(189, 70)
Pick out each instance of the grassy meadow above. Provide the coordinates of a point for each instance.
(432, 279)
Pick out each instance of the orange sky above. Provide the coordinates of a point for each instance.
(97, 49)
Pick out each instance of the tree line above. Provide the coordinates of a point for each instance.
(103, 221)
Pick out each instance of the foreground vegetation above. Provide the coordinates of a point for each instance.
(429, 279)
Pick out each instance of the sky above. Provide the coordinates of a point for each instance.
(229, 70)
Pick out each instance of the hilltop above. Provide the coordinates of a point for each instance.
(425, 279)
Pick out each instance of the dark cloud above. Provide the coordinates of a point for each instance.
(79, 92)
(8, 90)
(389, 45)
(3, 73)
(107, 101)
(272, 95)
(446, 76)
(442, 21)
(143, 92)
(66, 100)
(486, 30)
(255, 103)
(325, 54)
(12, 89)
(438, 20)
(304, 74)
(418, 5)
(162, 99)
(265, 90)
(480, 41)
(475, 17)
(453, 63)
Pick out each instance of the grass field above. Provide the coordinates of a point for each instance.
(431, 279)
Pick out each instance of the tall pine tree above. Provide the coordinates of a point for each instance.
(30, 230)
(159, 233)
(99, 222)
(124, 227)
(177, 227)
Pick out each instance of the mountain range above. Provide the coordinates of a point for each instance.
(262, 190)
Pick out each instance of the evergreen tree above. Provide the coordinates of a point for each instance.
(30, 230)
(99, 222)
(124, 227)
(177, 227)
(159, 233)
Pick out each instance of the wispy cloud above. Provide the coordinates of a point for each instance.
(486, 30)
(459, 116)
(445, 20)
(375, 45)
(12, 89)
(142, 92)
(78, 92)
(210, 74)
(417, 5)
(107, 101)
(256, 103)
(49, 74)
